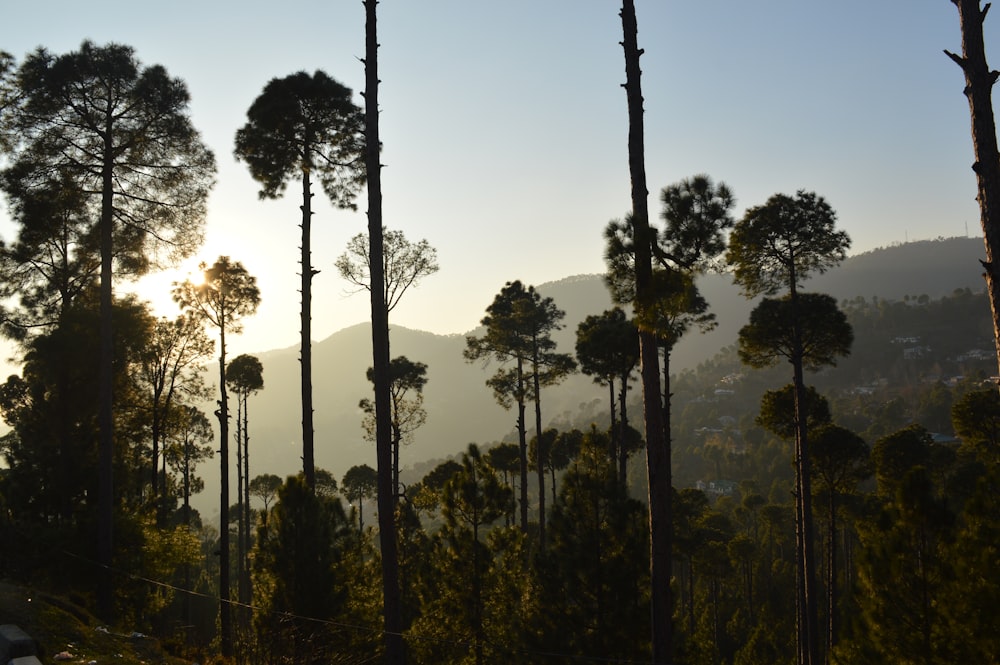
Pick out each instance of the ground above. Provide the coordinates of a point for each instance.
(61, 626)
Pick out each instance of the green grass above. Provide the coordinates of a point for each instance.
(58, 625)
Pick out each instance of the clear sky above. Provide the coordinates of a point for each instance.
(504, 126)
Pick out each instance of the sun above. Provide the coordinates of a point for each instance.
(156, 288)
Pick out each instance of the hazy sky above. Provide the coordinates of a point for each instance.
(504, 126)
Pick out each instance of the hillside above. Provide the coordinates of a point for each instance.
(461, 408)
(65, 631)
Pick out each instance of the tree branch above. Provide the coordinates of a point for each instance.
(959, 60)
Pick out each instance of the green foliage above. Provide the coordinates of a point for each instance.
(98, 108)
(904, 571)
(55, 258)
(404, 264)
(976, 419)
(781, 243)
(823, 332)
(8, 97)
(52, 446)
(840, 458)
(406, 386)
(607, 347)
(305, 124)
(227, 294)
(360, 483)
(696, 213)
(519, 325)
(592, 581)
(777, 411)
(304, 556)
(245, 374)
(151, 552)
(472, 602)
(265, 487)
(897, 454)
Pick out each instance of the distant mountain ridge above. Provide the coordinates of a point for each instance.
(461, 408)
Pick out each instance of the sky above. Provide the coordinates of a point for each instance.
(504, 128)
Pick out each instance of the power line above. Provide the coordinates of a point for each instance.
(406, 635)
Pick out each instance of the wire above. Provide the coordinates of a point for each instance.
(466, 644)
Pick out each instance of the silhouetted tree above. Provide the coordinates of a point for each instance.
(171, 368)
(306, 547)
(976, 420)
(657, 454)
(360, 482)
(408, 379)
(519, 323)
(245, 376)
(404, 264)
(302, 126)
(607, 348)
(120, 132)
(227, 295)
(840, 461)
(774, 248)
(979, 82)
(265, 487)
(391, 602)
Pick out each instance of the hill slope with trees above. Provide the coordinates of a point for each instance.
(461, 408)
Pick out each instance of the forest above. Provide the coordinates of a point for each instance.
(823, 490)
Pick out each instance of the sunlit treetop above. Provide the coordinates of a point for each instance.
(305, 124)
(781, 243)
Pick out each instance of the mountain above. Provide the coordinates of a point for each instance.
(460, 407)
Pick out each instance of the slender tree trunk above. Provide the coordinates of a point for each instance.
(623, 451)
(831, 576)
(522, 442)
(67, 468)
(690, 585)
(247, 591)
(225, 609)
(396, 440)
(247, 511)
(979, 81)
(657, 450)
(810, 599)
(539, 448)
(105, 416)
(187, 525)
(155, 432)
(801, 638)
(308, 450)
(240, 479)
(616, 436)
(392, 614)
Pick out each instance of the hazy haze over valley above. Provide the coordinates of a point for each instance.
(461, 408)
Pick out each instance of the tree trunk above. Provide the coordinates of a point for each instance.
(522, 442)
(539, 448)
(397, 438)
(105, 416)
(979, 82)
(623, 441)
(617, 437)
(809, 619)
(240, 540)
(831, 576)
(392, 614)
(246, 590)
(187, 525)
(225, 609)
(155, 435)
(657, 451)
(308, 450)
